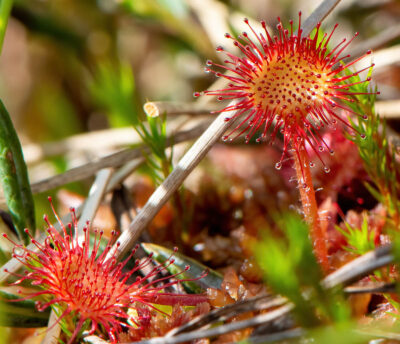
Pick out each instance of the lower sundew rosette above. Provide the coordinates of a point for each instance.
(288, 83)
(79, 283)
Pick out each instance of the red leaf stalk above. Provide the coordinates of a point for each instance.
(310, 207)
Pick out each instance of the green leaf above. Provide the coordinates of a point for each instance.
(14, 177)
(162, 254)
(16, 312)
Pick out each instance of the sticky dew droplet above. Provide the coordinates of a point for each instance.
(363, 136)
(278, 165)
(312, 164)
(327, 169)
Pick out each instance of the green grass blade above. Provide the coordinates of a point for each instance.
(14, 177)
(5, 9)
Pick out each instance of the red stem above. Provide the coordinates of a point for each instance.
(309, 203)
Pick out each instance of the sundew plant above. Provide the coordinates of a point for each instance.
(217, 172)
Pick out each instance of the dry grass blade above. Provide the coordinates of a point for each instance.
(92, 141)
(346, 274)
(275, 337)
(318, 15)
(371, 287)
(94, 340)
(112, 160)
(382, 58)
(359, 267)
(376, 42)
(216, 331)
(92, 203)
(254, 304)
(213, 15)
(54, 330)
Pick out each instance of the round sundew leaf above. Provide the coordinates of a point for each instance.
(161, 254)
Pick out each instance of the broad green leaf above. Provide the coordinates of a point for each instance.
(162, 254)
(14, 177)
(20, 313)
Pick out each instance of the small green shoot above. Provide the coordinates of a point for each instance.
(377, 153)
(360, 240)
(113, 89)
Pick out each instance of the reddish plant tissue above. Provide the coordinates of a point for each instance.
(81, 283)
(286, 83)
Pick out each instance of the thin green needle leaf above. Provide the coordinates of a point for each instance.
(14, 177)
